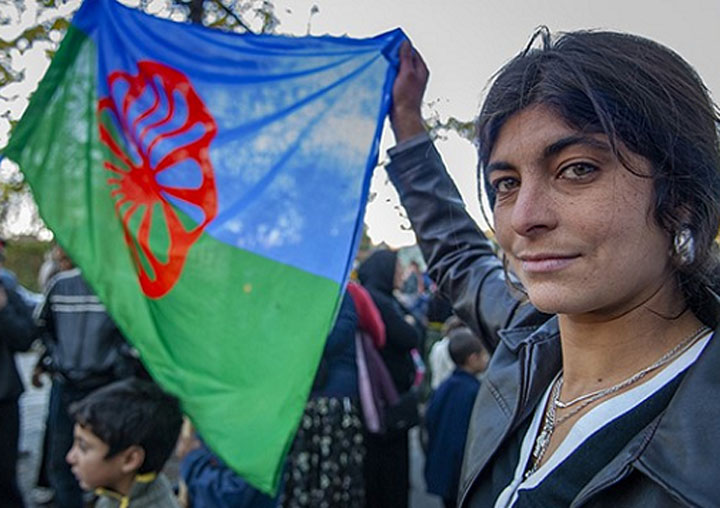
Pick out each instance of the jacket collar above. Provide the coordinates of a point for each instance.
(674, 451)
(681, 448)
(520, 371)
(683, 451)
(140, 486)
(514, 338)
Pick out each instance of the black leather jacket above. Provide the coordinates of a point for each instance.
(672, 462)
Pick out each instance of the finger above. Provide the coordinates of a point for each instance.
(405, 54)
(405, 48)
(420, 62)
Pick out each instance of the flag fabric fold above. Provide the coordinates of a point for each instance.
(211, 187)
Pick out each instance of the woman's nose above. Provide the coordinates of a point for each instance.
(535, 208)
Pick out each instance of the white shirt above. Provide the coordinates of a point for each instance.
(441, 365)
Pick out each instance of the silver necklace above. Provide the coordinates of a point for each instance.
(588, 398)
(551, 421)
(543, 440)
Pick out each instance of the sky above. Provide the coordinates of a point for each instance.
(464, 42)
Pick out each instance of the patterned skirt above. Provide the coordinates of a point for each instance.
(325, 466)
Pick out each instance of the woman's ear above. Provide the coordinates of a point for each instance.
(682, 215)
(133, 458)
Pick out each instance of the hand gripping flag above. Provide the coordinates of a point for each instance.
(211, 187)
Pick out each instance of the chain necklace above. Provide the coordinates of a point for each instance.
(551, 421)
(543, 439)
(588, 398)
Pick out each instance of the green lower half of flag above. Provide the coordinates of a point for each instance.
(239, 336)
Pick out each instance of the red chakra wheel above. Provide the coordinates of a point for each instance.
(146, 129)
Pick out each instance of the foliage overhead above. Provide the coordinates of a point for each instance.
(30, 33)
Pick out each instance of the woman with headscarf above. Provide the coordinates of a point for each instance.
(387, 459)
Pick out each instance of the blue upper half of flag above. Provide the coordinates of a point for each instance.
(297, 126)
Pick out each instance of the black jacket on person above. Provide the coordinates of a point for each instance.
(673, 461)
(85, 346)
(377, 275)
(337, 374)
(16, 335)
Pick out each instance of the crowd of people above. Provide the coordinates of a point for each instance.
(578, 369)
(351, 447)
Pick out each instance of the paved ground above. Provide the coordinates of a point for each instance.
(418, 497)
(33, 408)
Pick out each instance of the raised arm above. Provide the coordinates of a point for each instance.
(460, 258)
(408, 91)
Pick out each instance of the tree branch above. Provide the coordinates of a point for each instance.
(232, 14)
(196, 11)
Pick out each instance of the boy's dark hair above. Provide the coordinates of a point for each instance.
(463, 343)
(132, 412)
(451, 324)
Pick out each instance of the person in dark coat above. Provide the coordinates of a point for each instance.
(16, 334)
(210, 482)
(387, 456)
(325, 464)
(448, 415)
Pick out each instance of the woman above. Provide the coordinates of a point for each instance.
(599, 153)
(325, 464)
(387, 465)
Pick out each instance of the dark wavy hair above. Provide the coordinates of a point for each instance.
(641, 95)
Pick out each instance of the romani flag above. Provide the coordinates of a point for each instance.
(211, 187)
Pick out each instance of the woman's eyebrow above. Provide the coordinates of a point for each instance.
(553, 149)
(576, 139)
(498, 166)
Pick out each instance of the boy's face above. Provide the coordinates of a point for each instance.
(477, 362)
(89, 465)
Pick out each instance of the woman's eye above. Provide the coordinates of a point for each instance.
(504, 185)
(577, 171)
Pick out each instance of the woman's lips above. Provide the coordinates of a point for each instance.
(546, 263)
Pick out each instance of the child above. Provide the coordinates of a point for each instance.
(207, 482)
(124, 434)
(441, 365)
(448, 414)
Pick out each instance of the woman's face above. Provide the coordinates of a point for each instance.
(576, 225)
